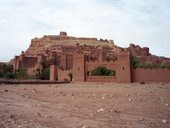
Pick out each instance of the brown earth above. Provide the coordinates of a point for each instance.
(85, 105)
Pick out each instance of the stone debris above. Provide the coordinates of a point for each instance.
(127, 95)
(101, 124)
(161, 99)
(164, 121)
(38, 114)
(34, 91)
(141, 119)
(138, 94)
(85, 126)
(94, 95)
(45, 115)
(115, 111)
(103, 97)
(27, 96)
(72, 94)
(91, 114)
(115, 95)
(37, 105)
(129, 99)
(14, 121)
(62, 93)
(166, 104)
(100, 110)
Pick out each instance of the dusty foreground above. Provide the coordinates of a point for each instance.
(85, 105)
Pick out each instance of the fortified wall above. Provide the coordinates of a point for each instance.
(80, 55)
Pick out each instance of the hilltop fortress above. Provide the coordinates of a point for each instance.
(79, 56)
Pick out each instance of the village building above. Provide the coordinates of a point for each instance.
(79, 56)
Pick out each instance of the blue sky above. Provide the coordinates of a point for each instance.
(143, 22)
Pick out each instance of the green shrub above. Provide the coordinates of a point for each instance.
(46, 74)
(6, 72)
(102, 71)
(134, 62)
(7, 68)
(21, 74)
(167, 65)
(8, 75)
(43, 72)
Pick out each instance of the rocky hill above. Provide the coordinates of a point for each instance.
(57, 42)
(63, 44)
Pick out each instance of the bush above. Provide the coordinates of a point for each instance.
(21, 74)
(102, 71)
(134, 62)
(165, 66)
(112, 73)
(43, 72)
(6, 72)
(46, 74)
(8, 75)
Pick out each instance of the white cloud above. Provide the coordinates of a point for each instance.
(145, 22)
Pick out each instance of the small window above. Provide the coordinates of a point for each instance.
(78, 69)
(123, 68)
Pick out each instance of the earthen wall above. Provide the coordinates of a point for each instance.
(101, 79)
(63, 74)
(79, 68)
(150, 75)
(123, 68)
(53, 72)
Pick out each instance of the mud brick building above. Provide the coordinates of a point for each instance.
(79, 56)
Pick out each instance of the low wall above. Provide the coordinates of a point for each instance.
(101, 79)
(32, 82)
(63, 74)
(150, 75)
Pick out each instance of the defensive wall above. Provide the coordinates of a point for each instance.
(124, 72)
(150, 75)
(79, 56)
(81, 69)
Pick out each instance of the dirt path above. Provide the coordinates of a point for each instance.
(85, 105)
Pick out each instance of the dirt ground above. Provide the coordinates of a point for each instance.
(85, 105)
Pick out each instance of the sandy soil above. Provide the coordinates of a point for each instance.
(85, 105)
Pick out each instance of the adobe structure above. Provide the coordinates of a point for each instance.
(79, 56)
